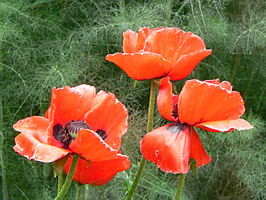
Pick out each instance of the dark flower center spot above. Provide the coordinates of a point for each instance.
(175, 111)
(176, 128)
(102, 133)
(69, 132)
(66, 134)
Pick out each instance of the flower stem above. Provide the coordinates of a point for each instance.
(69, 178)
(60, 182)
(142, 163)
(180, 186)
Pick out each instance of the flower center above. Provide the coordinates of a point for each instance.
(65, 134)
(176, 128)
(69, 132)
(102, 133)
(73, 127)
(175, 111)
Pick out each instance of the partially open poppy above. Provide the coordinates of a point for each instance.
(159, 52)
(209, 105)
(82, 122)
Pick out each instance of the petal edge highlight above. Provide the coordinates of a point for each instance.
(31, 148)
(89, 145)
(225, 125)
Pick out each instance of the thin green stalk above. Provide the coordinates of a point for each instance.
(122, 5)
(180, 186)
(169, 9)
(235, 67)
(60, 181)
(149, 128)
(69, 178)
(86, 191)
(3, 173)
(79, 190)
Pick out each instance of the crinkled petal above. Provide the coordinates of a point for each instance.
(165, 100)
(33, 149)
(129, 41)
(201, 102)
(186, 63)
(141, 65)
(224, 84)
(197, 151)
(225, 125)
(110, 115)
(166, 42)
(168, 147)
(71, 103)
(98, 173)
(191, 43)
(142, 36)
(35, 125)
(90, 145)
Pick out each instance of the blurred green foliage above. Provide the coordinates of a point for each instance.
(52, 43)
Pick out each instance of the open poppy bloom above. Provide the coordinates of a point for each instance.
(159, 52)
(209, 105)
(82, 122)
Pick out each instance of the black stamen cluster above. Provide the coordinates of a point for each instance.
(65, 134)
(102, 133)
(175, 111)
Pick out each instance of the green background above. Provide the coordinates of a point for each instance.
(46, 43)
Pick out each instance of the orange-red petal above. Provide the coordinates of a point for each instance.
(98, 173)
(186, 63)
(33, 149)
(142, 36)
(35, 125)
(224, 84)
(71, 103)
(197, 151)
(166, 42)
(129, 41)
(90, 145)
(191, 43)
(141, 65)
(168, 147)
(110, 115)
(165, 99)
(225, 125)
(201, 102)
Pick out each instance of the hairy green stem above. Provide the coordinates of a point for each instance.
(149, 128)
(69, 178)
(60, 181)
(180, 186)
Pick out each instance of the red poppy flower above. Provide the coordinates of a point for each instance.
(159, 52)
(82, 122)
(208, 105)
